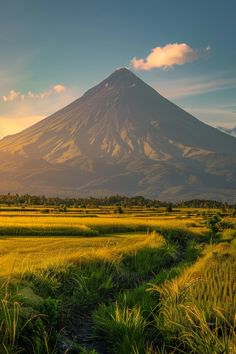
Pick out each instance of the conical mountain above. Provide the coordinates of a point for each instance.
(121, 137)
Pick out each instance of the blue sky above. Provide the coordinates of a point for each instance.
(53, 51)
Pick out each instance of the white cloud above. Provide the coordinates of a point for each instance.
(169, 55)
(16, 95)
(59, 88)
(11, 96)
(31, 107)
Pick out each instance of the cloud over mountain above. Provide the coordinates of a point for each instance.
(169, 55)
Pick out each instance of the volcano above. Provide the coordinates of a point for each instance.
(120, 137)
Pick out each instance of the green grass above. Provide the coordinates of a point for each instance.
(125, 324)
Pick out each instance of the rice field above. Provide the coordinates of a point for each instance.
(216, 286)
(27, 241)
(209, 284)
(198, 308)
(95, 282)
(21, 254)
(18, 225)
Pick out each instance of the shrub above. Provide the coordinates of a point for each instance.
(125, 325)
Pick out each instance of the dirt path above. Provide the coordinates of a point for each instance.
(81, 333)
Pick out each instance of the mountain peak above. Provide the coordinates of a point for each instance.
(122, 69)
(122, 74)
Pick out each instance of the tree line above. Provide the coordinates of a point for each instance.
(114, 200)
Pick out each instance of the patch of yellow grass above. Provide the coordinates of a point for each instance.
(18, 255)
(84, 225)
(209, 283)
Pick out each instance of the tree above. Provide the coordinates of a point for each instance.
(119, 210)
(214, 224)
(169, 208)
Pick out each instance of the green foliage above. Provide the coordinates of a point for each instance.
(119, 210)
(224, 225)
(169, 208)
(125, 325)
(45, 211)
(149, 261)
(92, 283)
(51, 308)
(213, 223)
(78, 349)
(45, 281)
(216, 224)
(9, 326)
(176, 236)
(15, 199)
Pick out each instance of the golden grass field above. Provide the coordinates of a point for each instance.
(104, 236)
(20, 254)
(111, 235)
(47, 225)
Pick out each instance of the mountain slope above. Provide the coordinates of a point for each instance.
(120, 137)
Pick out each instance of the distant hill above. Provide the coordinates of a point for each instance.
(230, 131)
(121, 137)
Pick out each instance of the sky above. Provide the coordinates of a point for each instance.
(53, 51)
